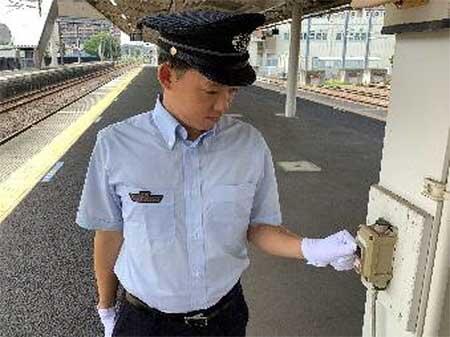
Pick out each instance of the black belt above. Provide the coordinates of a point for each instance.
(198, 318)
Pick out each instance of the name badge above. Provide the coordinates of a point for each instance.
(146, 197)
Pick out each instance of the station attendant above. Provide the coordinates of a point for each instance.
(176, 194)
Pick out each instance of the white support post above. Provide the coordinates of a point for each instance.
(294, 53)
(54, 45)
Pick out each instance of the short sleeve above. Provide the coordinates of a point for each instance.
(100, 207)
(266, 204)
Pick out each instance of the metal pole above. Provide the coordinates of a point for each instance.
(344, 48)
(369, 30)
(54, 45)
(308, 44)
(61, 43)
(78, 46)
(110, 49)
(435, 313)
(294, 52)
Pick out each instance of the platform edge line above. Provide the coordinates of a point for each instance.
(17, 186)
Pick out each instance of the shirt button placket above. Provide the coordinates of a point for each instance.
(194, 226)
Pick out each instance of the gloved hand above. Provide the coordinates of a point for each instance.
(344, 263)
(108, 318)
(337, 249)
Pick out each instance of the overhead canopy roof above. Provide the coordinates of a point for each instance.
(125, 13)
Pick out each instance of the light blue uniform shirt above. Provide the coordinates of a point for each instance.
(188, 250)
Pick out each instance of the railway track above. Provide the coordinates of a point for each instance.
(21, 113)
(17, 101)
(372, 96)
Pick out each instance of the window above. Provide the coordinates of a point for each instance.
(29, 54)
(286, 36)
(312, 34)
(355, 64)
(363, 36)
(318, 63)
(320, 36)
(272, 60)
(339, 36)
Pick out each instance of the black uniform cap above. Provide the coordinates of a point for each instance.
(214, 43)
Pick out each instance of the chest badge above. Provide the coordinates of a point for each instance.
(146, 197)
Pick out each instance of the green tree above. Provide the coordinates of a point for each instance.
(103, 45)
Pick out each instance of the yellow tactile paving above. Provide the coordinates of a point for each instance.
(22, 181)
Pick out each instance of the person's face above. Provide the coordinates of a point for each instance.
(196, 101)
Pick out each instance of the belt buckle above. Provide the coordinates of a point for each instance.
(199, 320)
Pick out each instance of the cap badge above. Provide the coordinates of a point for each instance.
(173, 51)
(240, 42)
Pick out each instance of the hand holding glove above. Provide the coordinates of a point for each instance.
(108, 318)
(337, 249)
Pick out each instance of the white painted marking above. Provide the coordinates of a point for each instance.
(298, 166)
(284, 115)
(69, 112)
(235, 115)
(98, 119)
(49, 176)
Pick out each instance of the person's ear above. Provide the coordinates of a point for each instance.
(166, 76)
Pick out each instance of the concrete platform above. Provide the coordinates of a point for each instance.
(47, 280)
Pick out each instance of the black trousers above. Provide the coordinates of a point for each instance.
(231, 321)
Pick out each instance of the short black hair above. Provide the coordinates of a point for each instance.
(178, 65)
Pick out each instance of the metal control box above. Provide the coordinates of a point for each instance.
(376, 244)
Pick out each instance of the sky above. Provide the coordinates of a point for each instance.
(26, 25)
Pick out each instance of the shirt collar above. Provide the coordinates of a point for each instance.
(170, 127)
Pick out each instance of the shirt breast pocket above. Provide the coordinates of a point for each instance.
(152, 214)
(229, 210)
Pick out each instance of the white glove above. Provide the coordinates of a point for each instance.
(108, 318)
(338, 248)
(344, 263)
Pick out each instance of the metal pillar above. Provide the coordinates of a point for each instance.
(45, 34)
(367, 76)
(78, 45)
(439, 278)
(54, 45)
(344, 48)
(294, 52)
(369, 31)
(308, 45)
